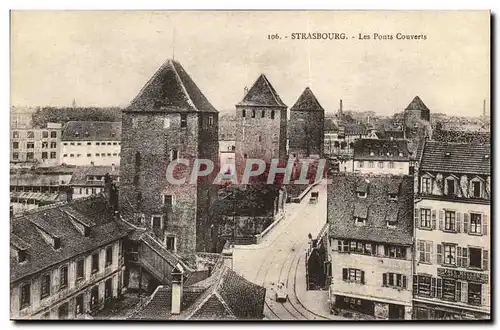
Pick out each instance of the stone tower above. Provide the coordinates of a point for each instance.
(415, 111)
(170, 119)
(307, 119)
(262, 125)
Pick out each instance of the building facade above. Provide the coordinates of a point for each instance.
(381, 157)
(453, 232)
(91, 143)
(306, 133)
(370, 245)
(36, 145)
(89, 180)
(65, 261)
(170, 119)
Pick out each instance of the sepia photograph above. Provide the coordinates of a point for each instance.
(240, 165)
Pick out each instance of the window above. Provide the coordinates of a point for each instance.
(63, 311)
(263, 114)
(393, 197)
(30, 145)
(15, 134)
(398, 252)
(474, 294)
(450, 289)
(95, 262)
(476, 189)
(109, 143)
(72, 143)
(475, 258)
(243, 113)
(426, 185)
(63, 277)
(381, 164)
(253, 113)
(21, 256)
(171, 243)
(183, 120)
(109, 154)
(97, 143)
(175, 154)
(272, 114)
(80, 266)
(45, 286)
(391, 164)
(53, 145)
(79, 144)
(361, 194)
(103, 154)
(109, 255)
(260, 138)
(424, 285)
(360, 164)
(394, 280)
(156, 221)
(210, 120)
(94, 297)
(114, 143)
(25, 295)
(31, 135)
(52, 155)
(358, 221)
(353, 275)
(370, 164)
(168, 201)
(449, 220)
(424, 249)
(15, 145)
(343, 246)
(450, 183)
(65, 143)
(97, 155)
(45, 145)
(475, 223)
(44, 155)
(449, 254)
(72, 155)
(425, 218)
(30, 156)
(89, 155)
(79, 305)
(15, 155)
(53, 134)
(89, 143)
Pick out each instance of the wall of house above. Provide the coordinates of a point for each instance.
(45, 150)
(374, 167)
(81, 153)
(83, 191)
(58, 296)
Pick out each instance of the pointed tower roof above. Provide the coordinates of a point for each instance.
(262, 94)
(417, 104)
(171, 89)
(307, 102)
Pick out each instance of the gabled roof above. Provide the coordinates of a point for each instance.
(56, 221)
(417, 104)
(307, 102)
(92, 131)
(344, 205)
(262, 94)
(82, 172)
(171, 89)
(463, 158)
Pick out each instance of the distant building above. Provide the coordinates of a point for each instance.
(21, 117)
(91, 143)
(39, 146)
(262, 126)
(460, 136)
(452, 277)
(371, 237)
(227, 140)
(331, 132)
(66, 260)
(415, 112)
(89, 180)
(381, 156)
(306, 126)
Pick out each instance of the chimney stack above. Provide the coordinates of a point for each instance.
(177, 277)
(227, 255)
(340, 109)
(245, 91)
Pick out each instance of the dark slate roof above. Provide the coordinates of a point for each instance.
(262, 94)
(58, 223)
(171, 89)
(92, 131)
(344, 205)
(225, 295)
(330, 126)
(354, 129)
(461, 136)
(381, 149)
(463, 157)
(417, 104)
(82, 172)
(307, 102)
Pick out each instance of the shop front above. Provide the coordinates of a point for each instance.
(427, 311)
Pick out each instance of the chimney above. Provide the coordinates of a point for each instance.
(113, 167)
(245, 91)
(92, 163)
(177, 277)
(340, 109)
(227, 255)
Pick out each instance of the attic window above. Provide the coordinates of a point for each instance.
(86, 133)
(57, 243)
(77, 134)
(358, 221)
(391, 224)
(393, 197)
(372, 153)
(21, 256)
(86, 231)
(361, 194)
(400, 154)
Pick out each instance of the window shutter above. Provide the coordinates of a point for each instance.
(433, 219)
(458, 222)
(485, 224)
(404, 281)
(344, 274)
(433, 287)
(466, 222)
(415, 284)
(439, 288)
(417, 218)
(362, 277)
(384, 279)
(485, 259)
(458, 290)
(439, 254)
(465, 259)
(459, 256)
(485, 295)
(441, 219)
(463, 298)
(339, 246)
(431, 252)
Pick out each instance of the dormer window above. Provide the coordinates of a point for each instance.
(393, 197)
(359, 221)
(391, 224)
(400, 154)
(447, 154)
(361, 194)
(22, 256)
(450, 186)
(57, 243)
(372, 153)
(476, 188)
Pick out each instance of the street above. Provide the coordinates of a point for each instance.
(280, 257)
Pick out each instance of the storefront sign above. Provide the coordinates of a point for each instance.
(462, 275)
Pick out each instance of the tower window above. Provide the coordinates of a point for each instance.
(243, 113)
(174, 155)
(253, 113)
(263, 113)
(183, 120)
(210, 120)
(272, 114)
(137, 160)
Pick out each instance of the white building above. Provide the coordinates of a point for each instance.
(91, 143)
(452, 219)
(381, 157)
(89, 180)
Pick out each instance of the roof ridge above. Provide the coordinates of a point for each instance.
(153, 77)
(273, 92)
(190, 100)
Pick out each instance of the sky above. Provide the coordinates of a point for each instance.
(104, 58)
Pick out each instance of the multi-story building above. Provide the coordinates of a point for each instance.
(21, 117)
(170, 119)
(36, 145)
(381, 156)
(370, 245)
(91, 143)
(453, 232)
(262, 127)
(89, 180)
(306, 134)
(65, 260)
